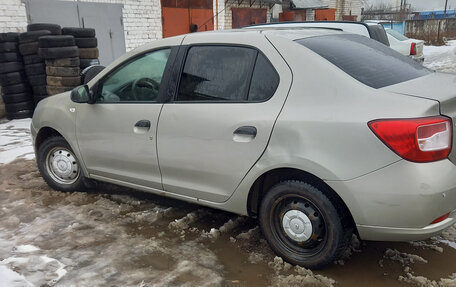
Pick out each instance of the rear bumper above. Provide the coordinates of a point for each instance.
(398, 202)
(405, 234)
(419, 59)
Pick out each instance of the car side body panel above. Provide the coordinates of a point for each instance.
(200, 156)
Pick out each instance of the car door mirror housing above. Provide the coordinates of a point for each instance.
(82, 94)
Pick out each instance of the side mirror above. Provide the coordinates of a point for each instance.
(82, 94)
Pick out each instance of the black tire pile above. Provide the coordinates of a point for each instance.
(35, 67)
(62, 63)
(16, 92)
(87, 43)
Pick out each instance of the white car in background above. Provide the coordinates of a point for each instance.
(406, 46)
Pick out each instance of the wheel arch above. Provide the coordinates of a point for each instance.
(44, 133)
(269, 178)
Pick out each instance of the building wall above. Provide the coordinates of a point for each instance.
(141, 19)
(223, 10)
(345, 7)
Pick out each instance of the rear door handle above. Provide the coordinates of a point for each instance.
(141, 127)
(143, 124)
(244, 134)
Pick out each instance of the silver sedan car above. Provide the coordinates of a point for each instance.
(317, 132)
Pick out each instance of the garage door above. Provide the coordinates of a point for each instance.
(248, 16)
(105, 18)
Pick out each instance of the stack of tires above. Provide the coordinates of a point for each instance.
(87, 43)
(16, 92)
(62, 63)
(34, 65)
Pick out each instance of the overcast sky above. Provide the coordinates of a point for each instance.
(421, 5)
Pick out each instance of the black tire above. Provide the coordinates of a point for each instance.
(37, 80)
(64, 62)
(39, 90)
(54, 147)
(86, 42)
(32, 36)
(10, 57)
(10, 67)
(84, 63)
(20, 115)
(54, 90)
(56, 41)
(58, 53)
(90, 72)
(88, 53)
(28, 48)
(13, 78)
(8, 47)
(16, 88)
(53, 28)
(35, 69)
(9, 37)
(16, 98)
(62, 71)
(32, 59)
(327, 238)
(79, 32)
(17, 107)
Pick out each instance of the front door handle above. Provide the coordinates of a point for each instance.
(244, 134)
(141, 127)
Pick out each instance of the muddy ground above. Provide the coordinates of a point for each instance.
(114, 236)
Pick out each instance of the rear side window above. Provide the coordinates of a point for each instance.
(216, 73)
(264, 80)
(366, 60)
(377, 32)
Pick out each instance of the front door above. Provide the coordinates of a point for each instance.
(221, 118)
(116, 135)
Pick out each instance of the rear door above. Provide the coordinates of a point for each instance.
(222, 114)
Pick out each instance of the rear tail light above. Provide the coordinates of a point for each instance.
(418, 140)
(413, 49)
(441, 218)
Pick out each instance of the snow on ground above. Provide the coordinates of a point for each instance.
(441, 58)
(15, 141)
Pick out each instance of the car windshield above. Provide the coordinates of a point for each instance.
(368, 61)
(396, 35)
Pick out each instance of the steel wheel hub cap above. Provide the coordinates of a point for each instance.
(62, 166)
(297, 225)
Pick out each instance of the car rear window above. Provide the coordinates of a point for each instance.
(366, 60)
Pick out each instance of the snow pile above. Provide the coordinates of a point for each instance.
(424, 245)
(441, 58)
(15, 141)
(403, 258)
(304, 277)
(425, 282)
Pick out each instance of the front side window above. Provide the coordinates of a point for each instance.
(216, 73)
(137, 81)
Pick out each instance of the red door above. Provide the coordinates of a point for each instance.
(177, 21)
(247, 16)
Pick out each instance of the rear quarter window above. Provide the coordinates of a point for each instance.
(368, 61)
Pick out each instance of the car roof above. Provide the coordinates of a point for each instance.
(291, 33)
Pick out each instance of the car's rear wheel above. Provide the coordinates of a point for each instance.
(302, 225)
(59, 166)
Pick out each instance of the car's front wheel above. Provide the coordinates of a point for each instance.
(302, 225)
(59, 166)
